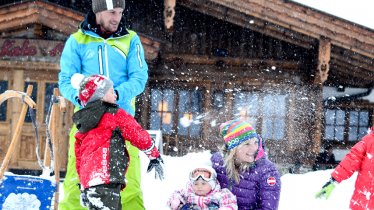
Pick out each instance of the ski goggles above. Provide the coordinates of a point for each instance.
(202, 173)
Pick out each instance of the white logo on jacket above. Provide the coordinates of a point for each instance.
(104, 162)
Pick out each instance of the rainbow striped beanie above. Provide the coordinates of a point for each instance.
(235, 132)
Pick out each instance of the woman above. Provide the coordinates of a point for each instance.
(244, 169)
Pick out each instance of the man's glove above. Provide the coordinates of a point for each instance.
(327, 189)
(156, 163)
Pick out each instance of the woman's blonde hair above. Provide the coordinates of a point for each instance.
(233, 169)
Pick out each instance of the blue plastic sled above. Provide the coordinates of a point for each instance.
(19, 192)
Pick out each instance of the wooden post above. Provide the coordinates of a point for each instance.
(324, 55)
(55, 116)
(318, 124)
(169, 13)
(16, 107)
(15, 140)
(57, 109)
(53, 123)
(47, 151)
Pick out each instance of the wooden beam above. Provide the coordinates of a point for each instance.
(55, 17)
(324, 52)
(229, 61)
(306, 21)
(270, 29)
(353, 71)
(353, 58)
(18, 22)
(252, 23)
(29, 65)
(347, 78)
(353, 64)
(58, 18)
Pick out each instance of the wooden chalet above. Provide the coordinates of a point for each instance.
(209, 61)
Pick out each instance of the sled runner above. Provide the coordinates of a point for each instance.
(30, 192)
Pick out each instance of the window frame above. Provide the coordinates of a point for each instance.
(33, 96)
(175, 111)
(4, 105)
(258, 120)
(346, 125)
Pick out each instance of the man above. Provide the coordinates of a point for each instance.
(103, 45)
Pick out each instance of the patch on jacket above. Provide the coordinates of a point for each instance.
(271, 181)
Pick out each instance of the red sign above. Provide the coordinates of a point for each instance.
(30, 47)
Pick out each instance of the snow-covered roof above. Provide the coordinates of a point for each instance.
(333, 92)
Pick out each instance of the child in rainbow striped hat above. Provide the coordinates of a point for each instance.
(244, 169)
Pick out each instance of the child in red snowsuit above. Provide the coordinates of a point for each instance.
(360, 158)
(100, 149)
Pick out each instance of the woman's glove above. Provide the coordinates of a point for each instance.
(327, 189)
(156, 163)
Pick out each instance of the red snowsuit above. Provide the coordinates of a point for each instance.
(360, 158)
(100, 147)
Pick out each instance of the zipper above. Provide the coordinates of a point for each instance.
(140, 60)
(106, 60)
(100, 52)
(101, 61)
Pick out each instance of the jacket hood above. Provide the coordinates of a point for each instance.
(90, 116)
(89, 24)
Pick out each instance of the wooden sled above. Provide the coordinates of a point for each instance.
(30, 192)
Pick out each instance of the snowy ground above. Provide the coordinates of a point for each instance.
(297, 193)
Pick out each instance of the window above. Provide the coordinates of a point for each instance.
(190, 105)
(271, 113)
(49, 87)
(246, 104)
(358, 125)
(345, 125)
(162, 106)
(3, 106)
(274, 115)
(33, 97)
(218, 100)
(334, 122)
(176, 111)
